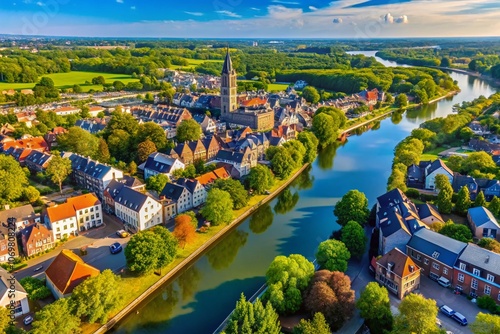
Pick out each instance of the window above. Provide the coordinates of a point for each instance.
(72, 225)
(435, 255)
(92, 209)
(445, 271)
(462, 266)
(426, 261)
(65, 227)
(58, 229)
(473, 283)
(418, 257)
(97, 215)
(461, 278)
(476, 272)
(487, 290)
(490, 278)
(86, 210)
(435, 265)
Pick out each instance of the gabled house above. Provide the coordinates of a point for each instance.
(483, 224)
(51, 136)
(136, 210)
(460, 181)
(32, 143)
(36, 238)
(477, 272)
(159, 163)
(21, 216)
(242, 161)
(64, 111)
(114, 188)
(207, 124)
(483, 145)
(197, 190)
(65, 272)
(210, 177)
(61, 220)
(478, 128)
(398, 273)
(12, 294)
(437, 167)
(429, 214)
(179, 195)
(37, 161)
(434, 253)
(8, 244)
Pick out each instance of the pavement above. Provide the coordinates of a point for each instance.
(98, 255)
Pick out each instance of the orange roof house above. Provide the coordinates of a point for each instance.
(256, 101)
(83, 201)
(34, 143)
(210, 177)
(66, 272)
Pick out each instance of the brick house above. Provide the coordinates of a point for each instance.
(36, 238)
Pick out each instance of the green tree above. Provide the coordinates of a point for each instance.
(445, 62)
(310, 142)
(296, 150)
(250, 317)
(486, 324)
(153, 132)
(333, 255)
(118, 85)
(310, 94)
(78, 141)
(416, 315)
(443, 201)
(282, 163)
(236, 191)
(31, 194)
(325, 129)
(480, 200)
(77, 89)
(35, 288)
(490, 244)
(494, 206)
(188, 130)
(287, 278)
(401, 101)
(132, 168)
(4, 319)
(455, 163)
(354, 238)
(120, 145)
(260, 179)
(457, 231)
(85, 112)
(463, 201)
(56, 318)
(12, 179)
(150, 249)
(352, 206)
(375, 308)
(317, 325)
(58, 169)
(99, 80)
(218, 207)
(481, 161)
(145, 149)
(95, 297)
(102, 154)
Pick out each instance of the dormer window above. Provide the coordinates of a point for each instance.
(435, 255)
(476, 272)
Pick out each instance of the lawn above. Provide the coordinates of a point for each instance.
(277, 87)
(193, 63)
(67, 80)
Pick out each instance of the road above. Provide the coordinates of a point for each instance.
(98, 254)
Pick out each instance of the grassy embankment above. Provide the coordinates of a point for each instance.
(132, 286)
(67, 80)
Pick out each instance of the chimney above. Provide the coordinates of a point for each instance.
(487, 259)
(390, 265)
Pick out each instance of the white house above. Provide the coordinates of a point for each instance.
(88, 211)
(179, 195)
(12, 294)
(242, 161)
(159, 163)
(435, 168)
(137, 210)
(61, 219)
(196, 189)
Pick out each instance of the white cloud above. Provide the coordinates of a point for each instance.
(388, 18)
(338, 20)
(279, 12)
(39, 3)
(253, 8)
(402, 19)
(119, 1)
(227, 13)
(313, 8)
(132, 7)
(194, 13)
(286, 2)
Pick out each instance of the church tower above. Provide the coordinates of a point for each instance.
(228, 88)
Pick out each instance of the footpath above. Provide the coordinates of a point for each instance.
(194, 256)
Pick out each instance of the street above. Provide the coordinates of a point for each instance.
(98, 255)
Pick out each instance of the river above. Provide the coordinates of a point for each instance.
(294, 222)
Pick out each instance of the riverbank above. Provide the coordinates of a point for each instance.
(176, 270)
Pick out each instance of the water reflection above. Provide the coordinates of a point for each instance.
(224, 253)
(397, 117)
(305, 180)
(326, 155)
(188, 282)
(261, 219)
(286, 201)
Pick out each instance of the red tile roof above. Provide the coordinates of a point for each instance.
(68, 270)
(68, 209)
(256, 101)
(35, 143)
(83, 201)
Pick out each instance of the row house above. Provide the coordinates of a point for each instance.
(114, 188)
(92, 175)
(92, 125)
(79, 213)
(424, 175)
(203, 149)
(65, 111)
(160, 114)
(19, 154)
(136, 210)
(489, 188)
(242, 161)
(159, 163)
(477, 272)
(258, 143)
(206, 123)
(32, 143)
(51, 136)
(434, 253)
(483, 145)
(287, 132)
(185, 193)
(35, 239)
(37, 161)
(21, 216)
(8, 240)
(398, 273)
(208, 178)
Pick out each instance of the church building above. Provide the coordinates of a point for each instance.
(257, 116)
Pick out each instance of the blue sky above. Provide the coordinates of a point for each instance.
(251, 18)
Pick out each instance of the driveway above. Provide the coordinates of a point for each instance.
(97, 241)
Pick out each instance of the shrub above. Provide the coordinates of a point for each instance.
(412, 193)
(487, 303)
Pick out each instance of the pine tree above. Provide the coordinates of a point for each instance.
(253, 318)
(103, 151)
(445, 194)
(494, 206)
(480, 200)
(463, 201)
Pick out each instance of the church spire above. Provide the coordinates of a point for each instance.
(227, 68)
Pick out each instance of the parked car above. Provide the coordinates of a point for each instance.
(38, 268)
(122, 233)
(115, 248)
(28, 320)
(444, 282)
(458, 317)
(447, 310)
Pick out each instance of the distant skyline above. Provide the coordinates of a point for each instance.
(251, 19)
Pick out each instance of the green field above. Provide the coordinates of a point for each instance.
(193, 63)
(67, 80)
(277, 87)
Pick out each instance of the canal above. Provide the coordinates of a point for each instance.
(294, 222)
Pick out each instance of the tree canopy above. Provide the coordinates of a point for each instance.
(325, 129)
(56, 318)
(235, 189)
(184, 230)
(486, 324)
(157, 182)
(375, 308)
(317, 325)
(218, 207)
(282, 162)
(417, 314)
(354, 238)
(12, 179)
(188, 130)
(78, 141)
(352, 206)
(58, 169)
(333, 255)
(457, 231)
(445, 194)
(260, 179)
(250, 317)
